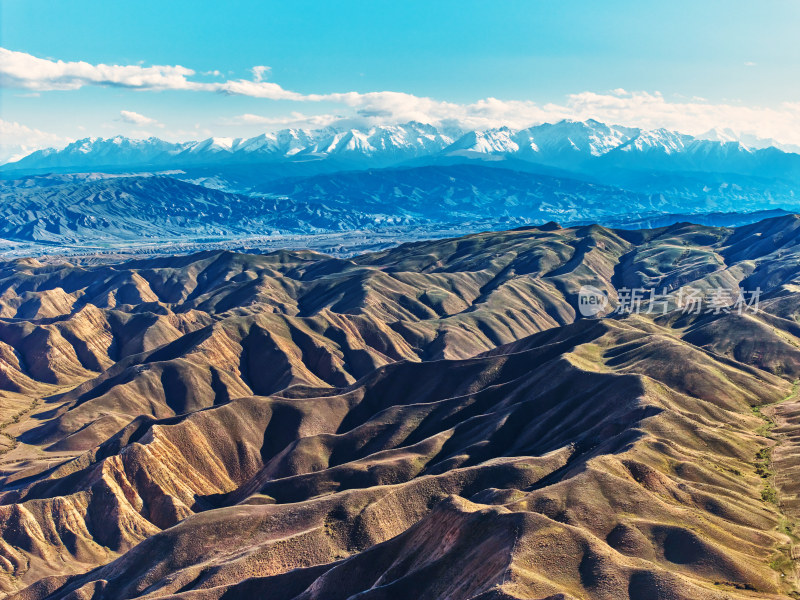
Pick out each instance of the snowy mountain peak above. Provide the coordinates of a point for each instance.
(214, 144)
(661, 140)
(566, 144)
(719, 135)
(410, 140)
(590, 137)
(492, 141)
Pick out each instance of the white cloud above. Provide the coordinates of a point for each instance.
(635, 109)
(254, 89)
(641, 109)
(260, 72)
(294, 119)
(135, 118)
(651, 111)
(24, 71)
(21, 70)
(17, 140)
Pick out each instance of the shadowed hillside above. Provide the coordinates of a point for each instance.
(432, 421)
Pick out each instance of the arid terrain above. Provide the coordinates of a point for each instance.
(431, 421)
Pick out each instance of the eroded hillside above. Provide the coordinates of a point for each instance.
(431, 421)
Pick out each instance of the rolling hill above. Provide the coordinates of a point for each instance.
(67, 209)
(86, 213)
(435, 420)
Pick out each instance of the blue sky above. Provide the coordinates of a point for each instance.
(680, 64)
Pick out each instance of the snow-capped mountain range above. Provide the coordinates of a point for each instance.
(567, 144)
(412, 177)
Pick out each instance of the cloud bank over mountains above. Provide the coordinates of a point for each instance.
(17, 140)
(649, 110)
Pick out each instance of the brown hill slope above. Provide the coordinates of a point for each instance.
(433, 421)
